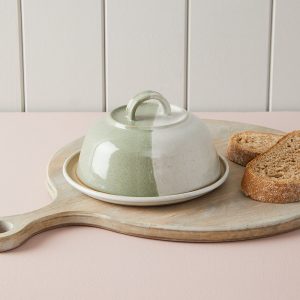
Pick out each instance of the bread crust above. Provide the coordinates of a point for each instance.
(260, 188)
(263, 190)
(237, 153)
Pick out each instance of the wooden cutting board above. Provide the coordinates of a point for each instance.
(223, 215)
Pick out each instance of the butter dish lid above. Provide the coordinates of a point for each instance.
(148, 110)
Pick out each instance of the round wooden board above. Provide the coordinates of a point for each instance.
(222, 215)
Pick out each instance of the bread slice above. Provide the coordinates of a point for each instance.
(274, 176)
(246, 145)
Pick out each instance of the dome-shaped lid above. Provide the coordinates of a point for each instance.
(148, 148)
(156, 112)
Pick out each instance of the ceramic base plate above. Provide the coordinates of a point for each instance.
(69, 172)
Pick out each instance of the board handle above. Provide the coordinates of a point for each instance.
(15, 230)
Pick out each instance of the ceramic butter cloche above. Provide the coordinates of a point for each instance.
(148, 148)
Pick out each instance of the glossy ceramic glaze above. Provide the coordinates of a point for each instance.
(147, 149)
(70, 174)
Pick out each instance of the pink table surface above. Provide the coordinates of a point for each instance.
(91, 263)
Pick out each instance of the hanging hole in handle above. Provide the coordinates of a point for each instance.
(5, 226)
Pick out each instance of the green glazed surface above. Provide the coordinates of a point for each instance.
(128, 152)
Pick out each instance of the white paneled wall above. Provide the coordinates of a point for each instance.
(63, 61)
(145, 49)
(229, 55)
(11, 98)
(94, 55)
(285, 84)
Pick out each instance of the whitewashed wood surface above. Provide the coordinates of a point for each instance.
(228, 55)
(205, 55)
(63, 58)
(11, 98)
(285, 86)
(145, 49)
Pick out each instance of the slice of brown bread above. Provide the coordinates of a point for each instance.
(246, 145)
(274, 176)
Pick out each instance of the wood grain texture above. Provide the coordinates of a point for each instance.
(10, 60)
(285, 77)
(145, 49)
(223, 215)
(228, 55)
(63, 55)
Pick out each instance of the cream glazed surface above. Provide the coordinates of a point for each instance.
(184, 157)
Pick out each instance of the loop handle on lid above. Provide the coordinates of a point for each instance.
(145, 96)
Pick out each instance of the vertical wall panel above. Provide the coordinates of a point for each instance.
(63, 57)
(145, 49)
(285, 79)
(10, 71)
(229, 55)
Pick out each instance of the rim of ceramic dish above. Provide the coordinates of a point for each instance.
(138, 201)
